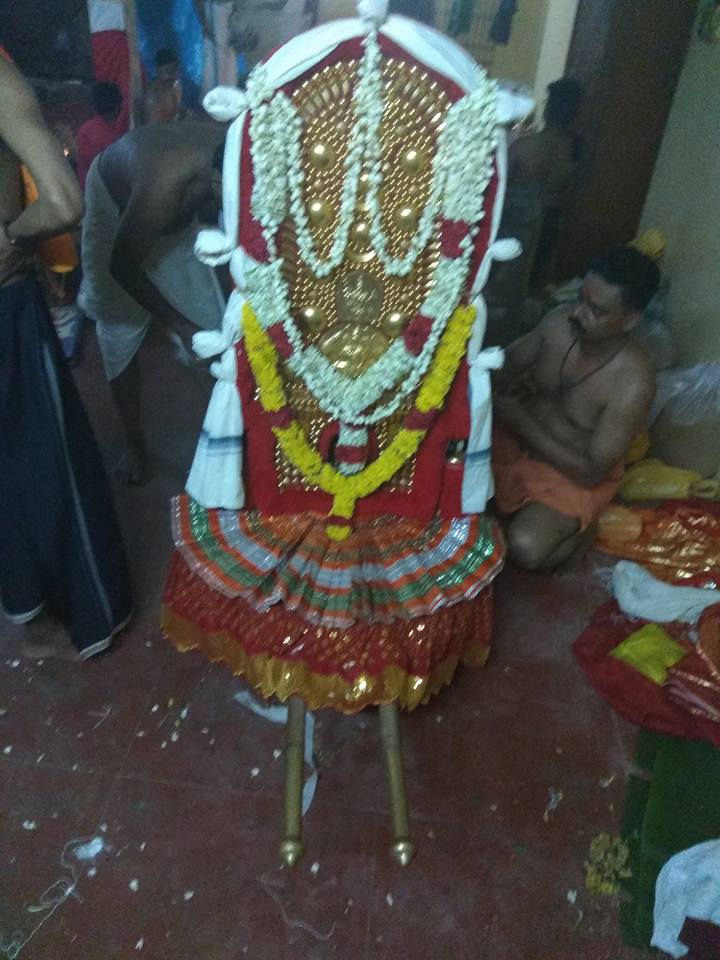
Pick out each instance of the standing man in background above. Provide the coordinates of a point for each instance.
(163, 97)
(250, 29)
(219, 57)
(544, 163)
(61, 554)
(99, 131)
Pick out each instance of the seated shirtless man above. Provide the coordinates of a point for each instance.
(145, 198)
(572, 398)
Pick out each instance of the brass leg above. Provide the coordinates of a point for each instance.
(291, 848)
(403, 849)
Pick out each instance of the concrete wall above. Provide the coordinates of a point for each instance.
(519, 60)
(684, 202)
(557, 34)
(335, 9)
(538, 48)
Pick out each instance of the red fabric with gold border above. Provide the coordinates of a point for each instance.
(281, 654)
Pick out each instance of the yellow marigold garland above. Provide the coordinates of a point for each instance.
(451, 350)
(347, 490)
(263, 360)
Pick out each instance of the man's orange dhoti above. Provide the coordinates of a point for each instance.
(521, 479)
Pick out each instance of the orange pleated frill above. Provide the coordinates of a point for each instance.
(280, 654)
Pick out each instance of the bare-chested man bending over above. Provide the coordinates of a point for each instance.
(145, 198)
(573, 396)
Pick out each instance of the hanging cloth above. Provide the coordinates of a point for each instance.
(501, 27)
(461, 17)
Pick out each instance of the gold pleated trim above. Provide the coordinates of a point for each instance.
(282, 679)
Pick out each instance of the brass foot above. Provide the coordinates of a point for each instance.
(403, 849)
(291, 852)
(291, 848)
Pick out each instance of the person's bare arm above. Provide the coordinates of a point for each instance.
(59, 205)
(155, 207)
(523, 352)
(520, 356)
(623, 419)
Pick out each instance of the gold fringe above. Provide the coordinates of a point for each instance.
(281, 679)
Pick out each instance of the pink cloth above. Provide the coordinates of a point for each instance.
(92, 138)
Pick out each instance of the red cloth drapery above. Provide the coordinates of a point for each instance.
(634, 696)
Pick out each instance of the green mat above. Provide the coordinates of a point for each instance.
(672, 803)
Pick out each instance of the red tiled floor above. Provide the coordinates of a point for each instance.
(148, 750)
(195, 732)
(207, 884)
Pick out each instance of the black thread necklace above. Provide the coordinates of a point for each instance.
(566, 388)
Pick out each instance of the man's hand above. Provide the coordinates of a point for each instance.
(512, 413)
(6, 247)
(13, 258)
(245, 41)
(183, 346)
(180, 333)
(509, 410)
(243, 38)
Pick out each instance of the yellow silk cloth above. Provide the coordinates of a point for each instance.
(651, 651)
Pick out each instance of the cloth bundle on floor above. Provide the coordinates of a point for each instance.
(671, 806)
(646, 702)
(641, 595)
(679, 543)
(688, 887)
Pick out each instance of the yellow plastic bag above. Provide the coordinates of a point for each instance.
(639, 449)
(654, 480)
(651, 651)
(652, 243)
